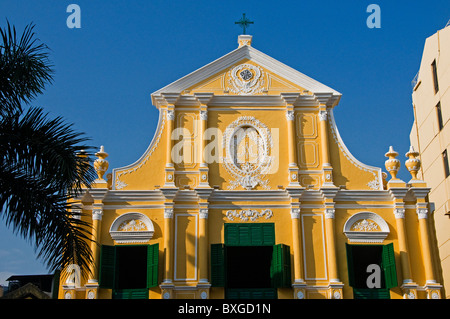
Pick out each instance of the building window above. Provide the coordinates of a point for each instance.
(446, 164)
(249, 264)
(435, 77)
(129, 270)
(439, 116)
(371, 270)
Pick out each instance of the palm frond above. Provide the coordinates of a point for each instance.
(25, 68)
(40, 214)
(41, 171)
(47, 149)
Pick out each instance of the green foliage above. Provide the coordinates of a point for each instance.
(44, 163)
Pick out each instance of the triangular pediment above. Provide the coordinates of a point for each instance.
(245, 78)
(247, 71)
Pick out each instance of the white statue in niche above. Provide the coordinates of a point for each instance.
(248, 143)
(247, 148)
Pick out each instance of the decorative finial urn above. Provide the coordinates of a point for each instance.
(412, 163)
(392, 164)
(101, 164)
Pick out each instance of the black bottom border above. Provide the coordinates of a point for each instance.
(222, 308)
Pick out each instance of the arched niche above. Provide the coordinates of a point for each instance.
(366, 227)
(131, 228)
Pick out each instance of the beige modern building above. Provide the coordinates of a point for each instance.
(430, 136)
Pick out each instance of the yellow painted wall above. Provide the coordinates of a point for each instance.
(141, 187)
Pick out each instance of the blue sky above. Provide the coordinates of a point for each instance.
(125, 50)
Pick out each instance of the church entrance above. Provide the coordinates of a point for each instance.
(372, 271)
(129, 270)
(249, 265)
(248, 272)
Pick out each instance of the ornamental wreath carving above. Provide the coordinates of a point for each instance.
(248, 144)
(247, 214)
(366, 227)
(246, 79)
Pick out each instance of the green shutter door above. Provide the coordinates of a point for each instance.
(280, 269)
(130, 294)
(107, 266)
(388, 266)
(382, 293)
(351, 273)
(218, 265)
(268, 234)
(231, 234)
(152, 265)
(260, 234)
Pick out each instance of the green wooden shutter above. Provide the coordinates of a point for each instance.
(351, 273)
(388, 266)
(218, 265)
(260, 234)
(107, 267)
(231, 234)
(130, 294)
(382, 293)
(268, 234)
(152, 265)
(280, 268)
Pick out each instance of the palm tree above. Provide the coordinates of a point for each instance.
(42, 168)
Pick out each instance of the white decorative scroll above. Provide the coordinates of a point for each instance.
(246, 79)
(399, 213)
(132, 228)
(366, 227)
(329, 213)
(170, 115)
(203, 213)
(204, 115)
(168, 212)
(374, 184)
(132, 225)
(422, 213)
(295, 213)
(290, 115)
(120, 184)
(248, 144)
(97, 214)
(247, 214)
(323, 115)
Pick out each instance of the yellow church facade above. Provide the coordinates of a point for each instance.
(248, 191)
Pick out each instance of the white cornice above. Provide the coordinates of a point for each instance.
(214, 100)
(244, 195)
(147, 153)
(376, 171)
(323, 93)
(254, 195)
(134, 195)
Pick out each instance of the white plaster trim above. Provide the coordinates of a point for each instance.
(377, 183)
(97, 214)
(125, 237)
(118, 172)
(323, 248)
(237, 55)
(248, 214)
(366, 236)
(176, 248)
(255, 175)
